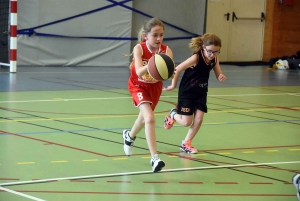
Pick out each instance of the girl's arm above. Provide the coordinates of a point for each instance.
(189, 63)
(138, 62)
(169, 52)
(218, 72)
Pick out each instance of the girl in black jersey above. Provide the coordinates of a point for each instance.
(192, 92)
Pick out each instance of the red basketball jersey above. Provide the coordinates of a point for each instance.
(146, 55)
(145, 89)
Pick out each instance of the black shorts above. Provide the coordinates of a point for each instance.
(187, 106)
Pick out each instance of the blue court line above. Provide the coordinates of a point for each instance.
(102, 38)
(31, 31)
(178, 126)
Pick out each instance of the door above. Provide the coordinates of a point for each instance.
(218, 21)
(242, 38)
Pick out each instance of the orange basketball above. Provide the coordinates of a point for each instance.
(161, 67)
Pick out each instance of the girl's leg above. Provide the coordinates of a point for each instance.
(149, 119)
(186, 144)
(194, 128)
(146, 118)
(184, 120)
(137, 126)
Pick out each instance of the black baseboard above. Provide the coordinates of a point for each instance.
(246, 63)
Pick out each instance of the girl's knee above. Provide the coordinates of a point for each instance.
(187, 123)
(149, 120)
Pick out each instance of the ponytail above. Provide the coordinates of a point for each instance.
(206, 40)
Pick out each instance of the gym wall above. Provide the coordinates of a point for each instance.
(67, 33)
(282, 29)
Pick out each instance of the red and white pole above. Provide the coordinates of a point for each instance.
(13, 35)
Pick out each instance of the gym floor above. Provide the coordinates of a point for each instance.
(60, 138)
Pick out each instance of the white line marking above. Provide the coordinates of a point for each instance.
(129, 97)
(146, 172)
(20, 194)
(53, 100)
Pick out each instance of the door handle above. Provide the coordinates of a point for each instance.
(234, 16)
(227, 15)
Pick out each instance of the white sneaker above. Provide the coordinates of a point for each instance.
(156, 163)
(128, 142)
(296, 181)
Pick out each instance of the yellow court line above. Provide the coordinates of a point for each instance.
(26, 163)
(201, 154)
(90, 160)
(120, 158)
(148, 157)
(225, 153)
(272, 150)
(133, 115)
(248, 152)
(215, 123)
(59, 161)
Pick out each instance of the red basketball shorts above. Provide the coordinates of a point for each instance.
(145, 93)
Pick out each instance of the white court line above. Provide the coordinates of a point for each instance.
(56, 100)
(21, 194)
(146, 172)
(129, 97)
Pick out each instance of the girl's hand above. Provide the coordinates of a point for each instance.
(168, 88)
(222, 78)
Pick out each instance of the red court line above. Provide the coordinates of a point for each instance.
(8, 179)
(46, 181)
(44, 112)
(226, 183)
(146, 193)
(214, 150)
(61, 145)
(287, 108)
(119, 181)
(226, 163)
(155, 182)
(82, 181)
(243, 148)
(281, 107)
(260, 182)
(183, 182)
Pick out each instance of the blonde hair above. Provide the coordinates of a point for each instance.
(206, 40)
(145, 29)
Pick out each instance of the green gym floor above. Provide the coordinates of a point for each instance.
(60, 138)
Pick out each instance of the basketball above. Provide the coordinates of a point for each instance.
(161, 67)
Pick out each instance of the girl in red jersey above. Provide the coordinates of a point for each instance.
(144, 89)
(192, 94)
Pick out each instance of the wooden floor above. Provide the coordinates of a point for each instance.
(60, 138)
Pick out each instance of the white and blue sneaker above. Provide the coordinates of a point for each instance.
(296, 182)
(156, 163)
(128, 142)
